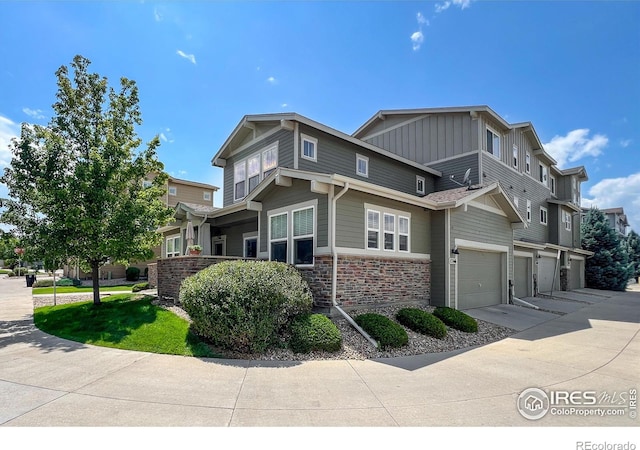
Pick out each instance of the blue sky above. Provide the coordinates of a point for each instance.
(571, 68)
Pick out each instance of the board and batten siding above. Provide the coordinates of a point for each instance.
(351, 221)
(276, 197)
(335, 156)
(431, 138)
(285, 158)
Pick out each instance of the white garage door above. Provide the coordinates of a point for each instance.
(546, 269)
(522, 276)
(479, 279)
(577, 274)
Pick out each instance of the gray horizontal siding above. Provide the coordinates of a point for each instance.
(235, 241)
(337, 156)
(456, 167)
(439, 258)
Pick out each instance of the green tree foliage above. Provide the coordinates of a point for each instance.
(75, 185)
(633, 248)
(609, 267)
(8, 244)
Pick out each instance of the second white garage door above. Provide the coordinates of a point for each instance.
(479, 278)
(546, 270)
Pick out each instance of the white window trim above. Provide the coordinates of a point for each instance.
(260, 154)
(528, 210)
(304, 236)
(284, 239)
(377, 230)
(175, 253)
(407, 234)
(515, 156)
(289, 211)
(222, 239)
(516, 201)
(206, 195)
(499, 136)
(424, 189)
(543, 171)
(173, 190)
(381, 211)
(567, 220)
(546, 216)
(394, 232)
(269, 148)
(553, 182)
(244, 246)
(236, 181)
(366, 161)
(527, 163)
(313, 141)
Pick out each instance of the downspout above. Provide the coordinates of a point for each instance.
(334, 275)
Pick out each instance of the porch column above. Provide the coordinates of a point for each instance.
(204, 238)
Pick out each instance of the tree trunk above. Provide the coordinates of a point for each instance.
(96, 283)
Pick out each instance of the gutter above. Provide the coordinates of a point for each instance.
(334, 275)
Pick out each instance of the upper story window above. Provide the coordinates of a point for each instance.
(552, 181)
(516, 200)
(566, 219)
(543, 174)
(493, 143)
(248, 173)
(543, 215)
(515, 156)
(206, 195)
(528, 210)
(362, 165)
(527, 163)
(309, 148)
(420, 185)
(173, 190)
(576, 191)
(146, 184)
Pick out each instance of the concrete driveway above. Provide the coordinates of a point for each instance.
(47, 381)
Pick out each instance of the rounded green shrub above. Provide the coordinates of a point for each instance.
(245, 306)
(422, 322)
(384, 330)
(310, 332)
(132, 273)
(11, 273)
(139, 287)
(68, 282)
(456, 319)
(20, 271)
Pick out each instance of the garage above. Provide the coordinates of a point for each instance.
(522, 276)
(576, 273)
(480, 278)
(546, 271)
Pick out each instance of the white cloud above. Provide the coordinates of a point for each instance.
(284, 105)
(163, 137)
(182, 172)
(8, 130)
(417, 38)
(575, 145)
(34, 113)
(462, 4)
(617, 192)
(624, 143)
(157, 14)
(272, 80)
(442, 6)
(190, 58)
(421, 19)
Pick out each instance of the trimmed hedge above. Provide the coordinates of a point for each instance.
(139, 287)
(456, 319)
(422, 322)
(384, 330)
(59, 282)
(245, 306)
(132, 273)
(314, 332)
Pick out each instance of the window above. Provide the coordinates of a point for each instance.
(420, 186)
(362, 165)
(309, 147)
(239, 180)
(552, 180)
(269, 160)
(543, 174)
(566, 218)
(146, 184)
(250, 247)
(173, 246)
(373, 229)
(528, 210)
(493, 143)
(278, 237)
(516, 200)
(173, 190)
(253, 171)
(389, 231)
(303, 236)
(515, 156)
(543, 215)
(403, 234)
(527, 163)
(206, 195)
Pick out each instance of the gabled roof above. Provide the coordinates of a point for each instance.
(361, 133)
(194, 183)
(184, 208)
(580, 171)
(285, 121)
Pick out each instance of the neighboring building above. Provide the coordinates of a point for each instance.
(193, 193)
(616, 217)
(374, 217)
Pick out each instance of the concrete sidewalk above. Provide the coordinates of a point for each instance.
(48, 381)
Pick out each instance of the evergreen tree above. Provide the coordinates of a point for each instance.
(609, 267)
(633, 247)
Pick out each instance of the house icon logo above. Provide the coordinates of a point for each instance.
(533, 403)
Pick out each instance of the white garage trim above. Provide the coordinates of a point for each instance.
(576, 257)
(474, 245)
(548, 254)
(522, 254)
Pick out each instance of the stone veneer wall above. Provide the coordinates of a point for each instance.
(369, 281)
(152, 276)
(171, 272)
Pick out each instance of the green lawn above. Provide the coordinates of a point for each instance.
(124, 321)
(79, 289)
(4, 271)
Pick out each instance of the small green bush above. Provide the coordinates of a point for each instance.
(43, 283)
(20, 271)
(11, 273)
(140, 287)
(422, 322)
(456, 319)
(68, 282)
(132, 273)
(384, 330)
(245, 306)
(314, 332)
